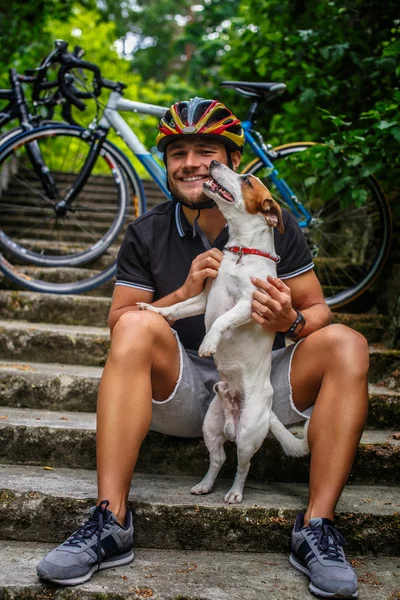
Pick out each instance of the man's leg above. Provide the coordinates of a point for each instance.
(330, 370)
(143, 364)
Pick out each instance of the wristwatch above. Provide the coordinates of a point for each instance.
(297, 326)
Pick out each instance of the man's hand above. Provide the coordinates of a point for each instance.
(272, 304)
(204, 265)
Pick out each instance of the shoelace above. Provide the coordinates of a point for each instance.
(96, 523)
(328, 541)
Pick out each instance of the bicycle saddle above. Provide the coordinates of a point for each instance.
(256, 90)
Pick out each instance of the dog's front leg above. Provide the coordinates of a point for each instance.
(237, 316)
(188, 308)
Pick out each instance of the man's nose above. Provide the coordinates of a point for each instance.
(192, 159)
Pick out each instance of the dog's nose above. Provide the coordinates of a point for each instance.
(214, 163)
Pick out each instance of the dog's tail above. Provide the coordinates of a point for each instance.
(292, 445)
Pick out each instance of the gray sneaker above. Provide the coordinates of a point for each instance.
(101, 543)
(317, 552)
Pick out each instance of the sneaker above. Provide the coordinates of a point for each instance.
(101, 543)
(317, 552)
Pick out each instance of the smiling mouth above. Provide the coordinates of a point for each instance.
(214, 187)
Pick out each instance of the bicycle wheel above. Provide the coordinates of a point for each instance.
(44, 253)
(350, 243)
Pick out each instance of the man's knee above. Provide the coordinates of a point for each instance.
(137, 331)
(346, 348)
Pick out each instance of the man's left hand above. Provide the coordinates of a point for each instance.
(272, 304)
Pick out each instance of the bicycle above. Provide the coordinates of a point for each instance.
(45, 96)
(95, 149)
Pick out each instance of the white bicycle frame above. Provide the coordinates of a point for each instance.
(112, 118)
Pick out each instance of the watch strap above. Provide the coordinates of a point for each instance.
(291, 331)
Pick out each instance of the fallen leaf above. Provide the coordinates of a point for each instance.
(4, 418)
(396, 436)
(48, 468)
(63, 419)
(144, 592)
(124, 577)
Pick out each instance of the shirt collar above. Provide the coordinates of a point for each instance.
(182, 224)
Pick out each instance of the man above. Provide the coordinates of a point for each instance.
(154, 378)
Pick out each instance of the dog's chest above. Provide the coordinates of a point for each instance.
(233, 283)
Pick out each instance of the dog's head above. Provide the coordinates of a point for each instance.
(235, 193)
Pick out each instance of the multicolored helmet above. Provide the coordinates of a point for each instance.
(198, 116)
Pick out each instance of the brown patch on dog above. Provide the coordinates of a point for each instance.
(257, 198)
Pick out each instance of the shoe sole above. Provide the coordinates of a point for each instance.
(312, 587)
(113, 561)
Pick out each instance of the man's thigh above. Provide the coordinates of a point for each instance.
(182, 412)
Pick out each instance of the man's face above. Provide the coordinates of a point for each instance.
(188, 160)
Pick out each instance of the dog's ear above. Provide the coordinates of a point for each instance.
(272, 213)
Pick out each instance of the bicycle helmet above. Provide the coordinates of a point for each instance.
(209, 118)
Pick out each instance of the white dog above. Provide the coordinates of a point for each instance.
(242, 408)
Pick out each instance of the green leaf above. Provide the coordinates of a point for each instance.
(395, 131)
(386, 124)
(309, 181)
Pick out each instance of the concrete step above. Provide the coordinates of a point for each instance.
(39, 505)
(74, 387)
(67, 439)
(42, 342)
(48, 308)
(104, 290)
(70, 344)
(188, 575)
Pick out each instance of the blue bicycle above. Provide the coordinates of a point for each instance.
(64, 210)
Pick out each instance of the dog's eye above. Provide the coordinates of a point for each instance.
(246, 180)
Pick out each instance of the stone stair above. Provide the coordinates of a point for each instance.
(52, 350)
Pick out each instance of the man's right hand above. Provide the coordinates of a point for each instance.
(204, 265)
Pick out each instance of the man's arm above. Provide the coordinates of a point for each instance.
(125, 297)
(274, 303)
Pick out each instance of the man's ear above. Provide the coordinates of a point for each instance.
(236, 157)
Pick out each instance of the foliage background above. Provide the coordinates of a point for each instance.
(340, 60)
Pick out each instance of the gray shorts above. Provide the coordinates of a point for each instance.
(182, 414)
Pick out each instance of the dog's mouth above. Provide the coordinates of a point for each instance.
(214, 187)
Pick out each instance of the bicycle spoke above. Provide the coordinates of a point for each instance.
(36, 191)
(25, 231)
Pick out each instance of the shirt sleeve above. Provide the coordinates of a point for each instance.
(133, 262)
(292, 248)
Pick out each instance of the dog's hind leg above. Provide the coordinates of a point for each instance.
(214, 438)
(253, 427)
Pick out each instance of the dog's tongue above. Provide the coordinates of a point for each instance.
(215, 187)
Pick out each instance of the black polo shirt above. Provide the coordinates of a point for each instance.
(159, 247)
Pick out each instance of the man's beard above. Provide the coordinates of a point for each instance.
(201, 200)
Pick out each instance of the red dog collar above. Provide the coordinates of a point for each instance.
(240, 250)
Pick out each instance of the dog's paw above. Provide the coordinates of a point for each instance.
(233, 497)
(201, 488)
(161, 311)
(144, 306)
(208, 346)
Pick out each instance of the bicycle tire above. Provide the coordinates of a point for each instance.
(350, 244)
(16, 151)
(25, 274)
